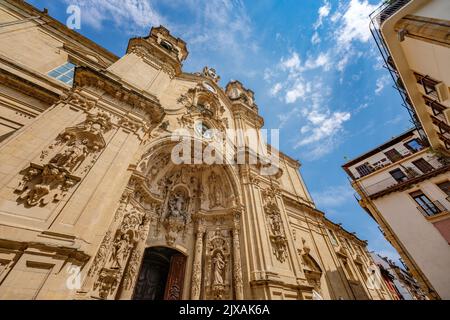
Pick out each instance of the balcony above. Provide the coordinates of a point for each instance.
(444, 129)
(381, 14)
(385, 162)
(412, 176)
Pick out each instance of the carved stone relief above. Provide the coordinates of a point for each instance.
(72, 154)
(122, 251)
(201, 103)
(216, 194)
(275, 225)
(218, 265)
(176, 216)
(312, 269)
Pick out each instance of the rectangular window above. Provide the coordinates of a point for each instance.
(349, 245)
(398, 175)
(64, 73)
(347, 269)
(332, 237)
(413, 145)
(423, 165)
(393, 155)
(445, 186)
(426, 206)
(364, 169)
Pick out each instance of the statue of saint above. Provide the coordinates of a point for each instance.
(120, 250)
(177, 205)
(219, 267)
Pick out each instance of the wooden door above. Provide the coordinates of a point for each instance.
(175, 279)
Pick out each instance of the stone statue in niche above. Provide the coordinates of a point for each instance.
(275, 225)
(177, 206)
(121, 247)
(219, 267)
(215, 192)
(176, 216)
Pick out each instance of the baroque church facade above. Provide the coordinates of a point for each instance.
(92, 205)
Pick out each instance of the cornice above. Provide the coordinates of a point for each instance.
(145, 102)
(55, 27)
(27, 87)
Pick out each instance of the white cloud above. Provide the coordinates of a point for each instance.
(276, 89)
(315, 39)
(297, 91)
(130, 15)
(321, 61)
(324, 11)
(322, 125)
(333, 196)
(381, 83)
(285, 117)
(355, 23)
(292, 63)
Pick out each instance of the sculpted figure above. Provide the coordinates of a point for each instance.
(120, 251)
(219, 267)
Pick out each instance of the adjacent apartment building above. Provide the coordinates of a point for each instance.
(398, 280)
(404, 184)
(413, 38)
(405, 187)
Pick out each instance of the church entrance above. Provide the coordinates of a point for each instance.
(161, 276)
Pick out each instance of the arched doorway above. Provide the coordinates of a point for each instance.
(161, 275)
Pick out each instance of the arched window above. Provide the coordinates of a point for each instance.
(166, 45)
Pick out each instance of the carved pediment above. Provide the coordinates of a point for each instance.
(201, 103)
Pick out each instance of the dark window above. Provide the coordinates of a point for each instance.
(413, 145)
(426, 206)
(364, 169)
(398, 175)
(423, 165)
(166, 45)
(393, 155)
(64, 73)
(445, 186)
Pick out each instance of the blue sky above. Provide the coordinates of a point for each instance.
(312, 64)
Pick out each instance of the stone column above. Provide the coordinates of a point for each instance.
(197, 266)
(237, 270)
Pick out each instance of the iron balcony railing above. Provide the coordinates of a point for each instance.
(384, 162)
(430, 209)
(381, 14)
(411, 174)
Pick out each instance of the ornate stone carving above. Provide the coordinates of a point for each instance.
(218, 286)
(107, 282)
(44, 183)
(211, 74)
(312, 269)
(41, 185)
(202, 103)
(176, 216)
(118, 253)
(237, 269)
(275, 225)
(197, 265)
(132, 270)
(216, 195)
(101, 254)
(218, 265)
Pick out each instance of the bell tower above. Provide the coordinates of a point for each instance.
(151, 62)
